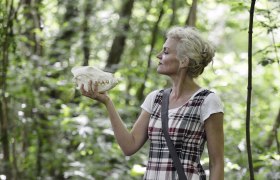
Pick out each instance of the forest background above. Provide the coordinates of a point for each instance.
(49, 131)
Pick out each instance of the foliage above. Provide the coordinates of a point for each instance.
(55, 133)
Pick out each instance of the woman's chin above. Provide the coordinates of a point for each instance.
(159, 71)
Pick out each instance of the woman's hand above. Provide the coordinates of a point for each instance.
(94, 94)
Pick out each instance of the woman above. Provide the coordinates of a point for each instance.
(195, 114)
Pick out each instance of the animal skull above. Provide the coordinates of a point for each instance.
(83, 74)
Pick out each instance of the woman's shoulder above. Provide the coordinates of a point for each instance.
(149, 101)
(209, 97)
(208, 93)
(211, 104)
(153, 94)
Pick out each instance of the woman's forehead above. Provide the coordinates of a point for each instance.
(170, 43)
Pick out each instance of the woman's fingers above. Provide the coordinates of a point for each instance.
(93, 93)
(87, 93)
(90, 86)
(95, 86)
(82, 88)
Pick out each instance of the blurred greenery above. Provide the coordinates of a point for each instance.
(55, 133)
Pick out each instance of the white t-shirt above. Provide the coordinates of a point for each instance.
(212, 104)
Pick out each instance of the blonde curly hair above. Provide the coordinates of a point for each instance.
(191, 45)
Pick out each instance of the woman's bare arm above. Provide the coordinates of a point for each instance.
(215, 144)
(129, 141)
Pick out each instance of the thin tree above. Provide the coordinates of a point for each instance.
(60, 49)
(140, 91)
(33, 18)
(273, 134)
(6, 43)
(173, 18)
(248, 111)
(191, 19)
(118, 44)
(86, 31)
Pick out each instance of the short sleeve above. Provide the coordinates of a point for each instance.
(212, 104)
(149, 101)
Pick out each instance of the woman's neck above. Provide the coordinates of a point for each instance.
(183, 86)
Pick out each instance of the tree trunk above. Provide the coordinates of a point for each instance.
(191, 19)
(173, 19)
(249, 87)
(66, 35)
(4, 133)
(33, 19)
(86, 31)
(4, 122)
(273, 135)
(140, 91)
(118, 44)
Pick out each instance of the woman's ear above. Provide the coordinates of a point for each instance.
(184, 63)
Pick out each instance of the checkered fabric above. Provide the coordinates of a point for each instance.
(188, 135)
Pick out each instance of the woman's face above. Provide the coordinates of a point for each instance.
(168, 62)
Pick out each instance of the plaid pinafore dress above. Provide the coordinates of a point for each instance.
(187, 132)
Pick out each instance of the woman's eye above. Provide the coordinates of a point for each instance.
(165, 52)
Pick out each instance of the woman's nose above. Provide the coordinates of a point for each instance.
(159, 55)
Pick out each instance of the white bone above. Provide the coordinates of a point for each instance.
(83, 74)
